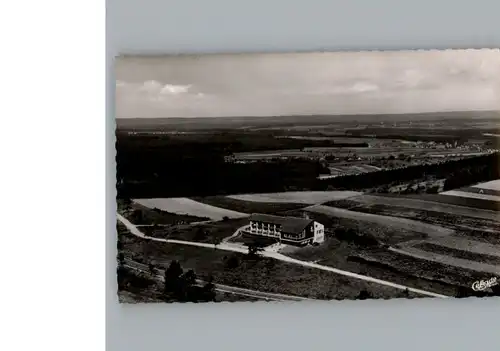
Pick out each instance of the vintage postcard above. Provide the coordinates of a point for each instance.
(308, 176)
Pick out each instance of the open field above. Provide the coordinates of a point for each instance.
(233, 204)
(492, 185)
(473, 204)
(421, 268)
(489, 237)
(142, 215)
(470, 195)
(446, 259)
(337, 170)
(263, 274)
(428, 203)
(462, 254)
(402, 223)
(191, 207)
(302, 197)
(464, 244)
(475, 235)
(477, 190)
(456, 222)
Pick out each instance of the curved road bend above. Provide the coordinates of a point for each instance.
(227, 247)
(223, 288)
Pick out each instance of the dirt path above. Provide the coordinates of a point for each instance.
(235, 234)
(237, 248)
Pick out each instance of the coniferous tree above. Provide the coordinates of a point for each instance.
(209, 290)
(172, 278)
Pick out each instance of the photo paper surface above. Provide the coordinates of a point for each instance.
(308, 176)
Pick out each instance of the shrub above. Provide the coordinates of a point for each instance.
(351, 236)
(130, 279)
(364, 295)
(233, 262)
(433, 190)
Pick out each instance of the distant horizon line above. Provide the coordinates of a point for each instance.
(317, 50)
(325, 115)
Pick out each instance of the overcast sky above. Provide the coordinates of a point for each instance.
(307, 83)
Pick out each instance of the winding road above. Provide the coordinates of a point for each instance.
(241, 249)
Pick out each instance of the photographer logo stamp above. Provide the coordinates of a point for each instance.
(482, 285)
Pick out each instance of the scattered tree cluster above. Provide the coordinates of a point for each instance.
(182, 286)
(130, 280)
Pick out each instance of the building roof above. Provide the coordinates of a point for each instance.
(292, 225)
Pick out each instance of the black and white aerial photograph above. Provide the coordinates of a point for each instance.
(308, 176)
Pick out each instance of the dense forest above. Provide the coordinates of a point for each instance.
(193, 164)
(226, 141)
(169, 166)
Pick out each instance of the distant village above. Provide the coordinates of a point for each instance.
(391, 154)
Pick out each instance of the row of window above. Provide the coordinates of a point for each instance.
(276, 234)
(265, 230)
(294, 237)
(260, 232)
(265, 225)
